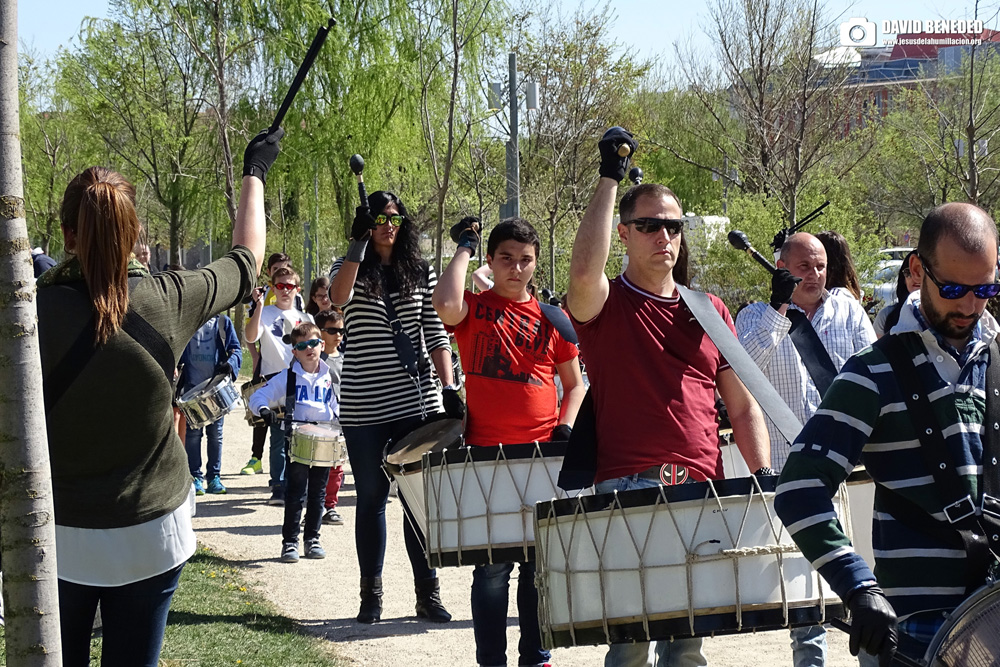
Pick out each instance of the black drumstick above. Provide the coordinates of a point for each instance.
(739, 240)
(300, 76)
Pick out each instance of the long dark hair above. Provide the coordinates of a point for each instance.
(840, 271)
(405, 267)
(99, 205)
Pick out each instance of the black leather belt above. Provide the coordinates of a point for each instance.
(668, 474)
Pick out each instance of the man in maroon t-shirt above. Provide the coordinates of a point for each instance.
(653, 370)
(510, 354)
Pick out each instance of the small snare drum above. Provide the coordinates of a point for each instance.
(320, 445)
(208, 401)
(247, 390)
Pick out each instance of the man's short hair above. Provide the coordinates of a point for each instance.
(626, 208)
(513, 229)
(275, 258)
(305, 331)
(285, 272)
(325, 318)
(960, 223)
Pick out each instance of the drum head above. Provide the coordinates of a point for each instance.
(433, 437)
(970, 637)
(195, 391)
(317, 430)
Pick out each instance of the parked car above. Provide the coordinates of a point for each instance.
(881, 291)
(898, 252)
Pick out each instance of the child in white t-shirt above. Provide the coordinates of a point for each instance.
(270, 325)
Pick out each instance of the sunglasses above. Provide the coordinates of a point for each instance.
(956, 291)
(303, 344)
(653, 225)
(286, 287)
(396, 220)
(334, 331)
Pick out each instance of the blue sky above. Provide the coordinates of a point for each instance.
(651, 27)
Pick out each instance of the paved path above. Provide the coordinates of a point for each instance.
(323, 595)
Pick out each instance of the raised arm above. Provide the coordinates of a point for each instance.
(342, 280)
(250, 227)
(588, 286)
(449, 295)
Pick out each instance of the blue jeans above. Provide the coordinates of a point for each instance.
(490, 587)
(276, 452)
(134, 617)
(301, 480)
(808, 646)
(192, 443)
(364, 449)
(664, 653)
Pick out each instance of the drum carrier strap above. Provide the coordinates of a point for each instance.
(406, 350)
(814, 355)
(974, 530)
(82, 350)
(289, 405)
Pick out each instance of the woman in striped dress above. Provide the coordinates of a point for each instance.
(380, 401)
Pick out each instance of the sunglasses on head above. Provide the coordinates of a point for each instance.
(653, 225)
(957, 291)
(333, 331)
(303, 344)
(396, 220)
(286, 287)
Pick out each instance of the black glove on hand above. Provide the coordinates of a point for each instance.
(364, 223)
(782, 285)
(261, 153)
(873, 624)
(614, 165)
(466, 233)
(454, 407)
(268, 416)
(561, 433)
(223, 369)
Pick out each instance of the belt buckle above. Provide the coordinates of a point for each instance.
(965, 505)
(989, 510)
(396, 326)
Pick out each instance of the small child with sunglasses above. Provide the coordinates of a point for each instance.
(331, 327)
(314, 400)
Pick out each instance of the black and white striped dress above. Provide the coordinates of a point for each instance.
(374, 387)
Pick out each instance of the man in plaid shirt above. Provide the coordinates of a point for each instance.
(763, 328)
(945, 334)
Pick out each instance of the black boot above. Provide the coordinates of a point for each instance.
(429, 601)
(371, 600)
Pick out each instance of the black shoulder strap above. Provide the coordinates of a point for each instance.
(290, 397)
(559, 321)
(82, 350)
(405, 348)
(811, 350)
(973, 531)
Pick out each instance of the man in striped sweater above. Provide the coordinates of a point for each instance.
(922, 567)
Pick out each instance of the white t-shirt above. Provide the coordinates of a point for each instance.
(275, 355)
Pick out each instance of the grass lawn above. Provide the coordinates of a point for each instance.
(216, 620)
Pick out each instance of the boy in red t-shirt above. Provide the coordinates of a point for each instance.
(511, 354)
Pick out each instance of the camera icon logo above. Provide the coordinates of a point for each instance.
(857, 31)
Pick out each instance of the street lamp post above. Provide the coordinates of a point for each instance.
(512, 208)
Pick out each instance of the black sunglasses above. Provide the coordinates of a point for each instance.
(653, 225)
(333, 331)
(957, 291)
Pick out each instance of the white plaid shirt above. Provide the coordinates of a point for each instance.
(842, 326)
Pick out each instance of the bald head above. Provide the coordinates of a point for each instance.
(968, 226)
(799, 243)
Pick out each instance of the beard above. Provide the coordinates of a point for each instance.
(943, 322)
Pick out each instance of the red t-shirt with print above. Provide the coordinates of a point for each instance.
(652, 371)
(509, 354)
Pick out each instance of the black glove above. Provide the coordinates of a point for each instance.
(363, 223)
(873, 624)
(614, 165)
(782, 285)
(269, 417)
(466, 233)
(454, 407)
(561, 433)
(223, 369)
(261, 153)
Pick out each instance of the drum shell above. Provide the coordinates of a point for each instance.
(480, 500)
(208, 401)
(247, 389)
(614, 568)
(317, 445)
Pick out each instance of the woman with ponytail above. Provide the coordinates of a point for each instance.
(110, 335)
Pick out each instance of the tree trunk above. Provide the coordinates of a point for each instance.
(27, 539)
(175, 235)
(223, 112)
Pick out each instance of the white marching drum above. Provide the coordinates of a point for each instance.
(687, 560)
(480, 501)
(404, 464)
(208, 401)
(317, 445)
